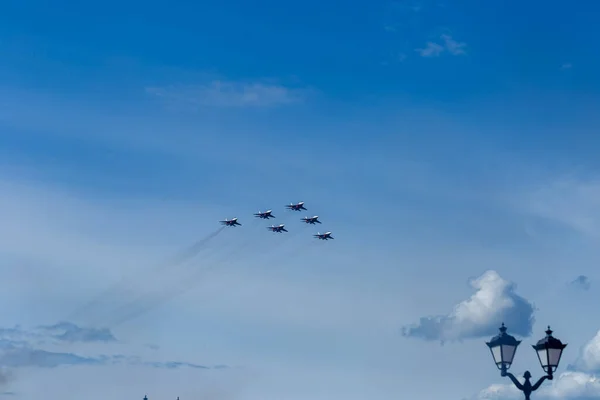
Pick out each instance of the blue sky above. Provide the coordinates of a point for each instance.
(450, 148)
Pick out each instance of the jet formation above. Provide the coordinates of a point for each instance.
(281, 227)
(135, 304)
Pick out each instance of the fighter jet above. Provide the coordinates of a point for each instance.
(323, 236)
(277, 229)
(312, 220)
(230, 222)
(296, 207)
(264, 215)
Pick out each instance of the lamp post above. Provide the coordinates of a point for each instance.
(504, 347)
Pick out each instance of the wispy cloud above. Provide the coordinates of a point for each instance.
(70, 332)
(449, 45)
(60, 332)
(431, 50)
(220, 93)
(24, 356)
(21, 347)
(494, 302)
(566, 66)
(455, 48)
(574, 203)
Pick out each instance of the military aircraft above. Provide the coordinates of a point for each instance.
(277, 229)
(312, 220)
(230, 222)
(296, 207)
(264, 215)
(324, 236)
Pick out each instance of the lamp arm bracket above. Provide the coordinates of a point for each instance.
(518, 384)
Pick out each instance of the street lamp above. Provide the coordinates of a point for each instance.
(549, 351)
(504, 347)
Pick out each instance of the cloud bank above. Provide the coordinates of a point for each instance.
(494, 301)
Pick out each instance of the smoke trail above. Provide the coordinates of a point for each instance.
(121, 286)
(193, 250)
(193, 280)
(175, 288)
(153, 300)
(149, 301)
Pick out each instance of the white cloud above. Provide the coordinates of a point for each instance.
(499, 392)
(455, 48)
(431, 50)
(589, 359)
(229, 94)
(495, 301)
(449, 44)
(567, 386)
(573, 385)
